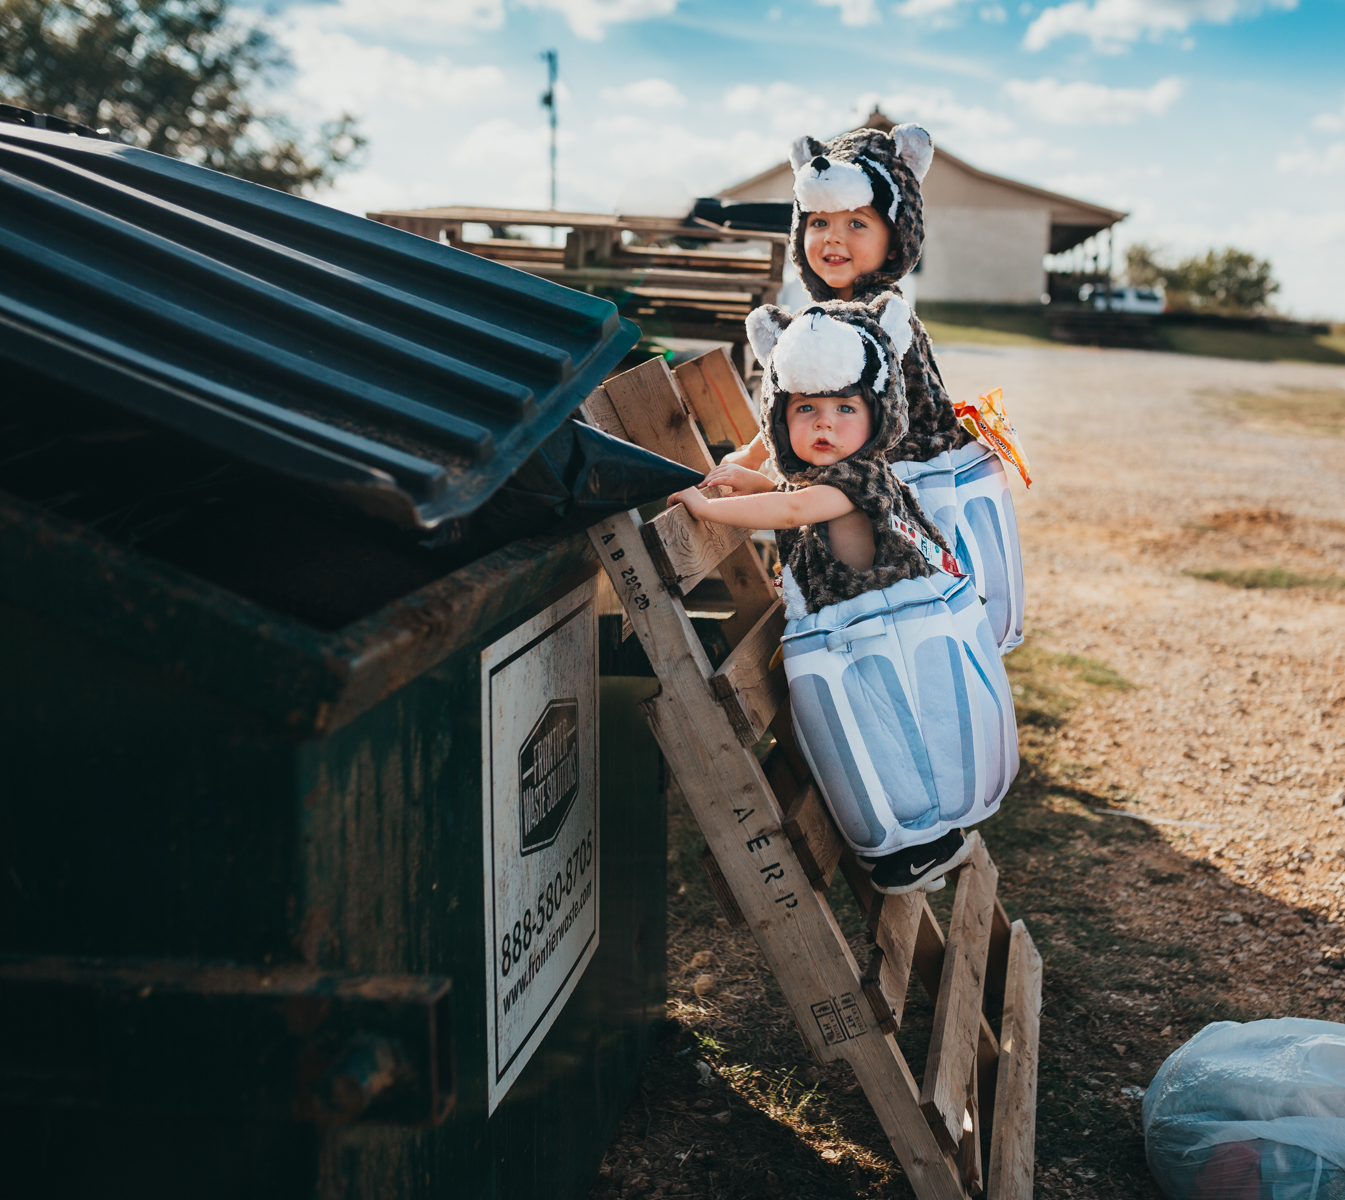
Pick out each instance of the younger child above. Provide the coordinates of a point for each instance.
(899, 698)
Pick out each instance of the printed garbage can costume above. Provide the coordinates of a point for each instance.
(899, 698)
(960, 484)
(966, 494)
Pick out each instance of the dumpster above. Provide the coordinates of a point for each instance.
(333, 839)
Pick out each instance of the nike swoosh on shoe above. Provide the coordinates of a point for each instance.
(923, 866)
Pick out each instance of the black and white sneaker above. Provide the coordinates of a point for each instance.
(920, 867)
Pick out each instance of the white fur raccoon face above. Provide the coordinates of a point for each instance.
(822, 184)
(816, 356)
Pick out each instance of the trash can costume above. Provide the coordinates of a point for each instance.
(960, 483)
(900, 701)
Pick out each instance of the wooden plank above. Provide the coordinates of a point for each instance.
(597, 408)
(718, 398)
(895, 930)
(753, 592)
(816, 840)
(860, 885)
(656, 416)
(750, 691)
(1013, 1132)
(684, 550)
(743, 827)
(957, 1010)
(722, 892)
(996, 963)
(969, 1152)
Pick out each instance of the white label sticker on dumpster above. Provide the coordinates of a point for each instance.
(539, 729)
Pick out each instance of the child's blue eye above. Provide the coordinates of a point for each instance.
(845, 408)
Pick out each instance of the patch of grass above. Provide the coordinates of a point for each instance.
(1254, 346)
(1046, 686)
(1268, 577)
(1315, 410)
(985, 324)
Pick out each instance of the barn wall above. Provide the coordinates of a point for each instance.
(993, 255)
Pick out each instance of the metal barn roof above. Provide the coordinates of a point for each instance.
(408, 377)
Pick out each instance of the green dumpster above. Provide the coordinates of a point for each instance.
(333, 839)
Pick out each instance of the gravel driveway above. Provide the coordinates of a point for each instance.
(1235, 731)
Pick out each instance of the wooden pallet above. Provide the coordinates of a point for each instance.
(773, 849)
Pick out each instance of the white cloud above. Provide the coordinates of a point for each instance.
(926, 8)
(1330, 122)
(427, 18)
(336, 72)
(1311, 161)
(590, 18)
(855, 12)
(1113, 24)
(787, 110)
(1081, 103)
(648, 93)
(994, 14)
(940, 113)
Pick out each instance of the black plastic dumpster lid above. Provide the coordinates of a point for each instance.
(410, 378)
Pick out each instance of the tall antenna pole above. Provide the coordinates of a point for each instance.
(549, 102)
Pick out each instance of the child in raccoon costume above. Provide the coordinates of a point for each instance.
(858, 230)
(899, 698)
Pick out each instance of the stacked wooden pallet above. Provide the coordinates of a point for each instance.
(773, 850)
(667, 289)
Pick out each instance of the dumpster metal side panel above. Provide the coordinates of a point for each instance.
(565, 1106)
(150, 815)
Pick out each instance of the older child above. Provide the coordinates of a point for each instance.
(858, 230)
(899, 699)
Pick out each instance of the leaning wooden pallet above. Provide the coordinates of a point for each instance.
(773, 850)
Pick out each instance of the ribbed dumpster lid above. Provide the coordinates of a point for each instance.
(408, 377)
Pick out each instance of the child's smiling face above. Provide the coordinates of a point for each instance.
(842, 246)
(825, 429)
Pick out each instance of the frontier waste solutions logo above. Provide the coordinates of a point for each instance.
(548, 775)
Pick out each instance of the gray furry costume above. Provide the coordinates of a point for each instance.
(884, 170)
(837, 348)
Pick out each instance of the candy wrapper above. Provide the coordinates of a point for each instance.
(988, 423)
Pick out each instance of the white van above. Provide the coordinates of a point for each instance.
(1124, 299)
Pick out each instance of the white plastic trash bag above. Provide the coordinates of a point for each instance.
(1251, 1112)
(966, 494)
(903, 710)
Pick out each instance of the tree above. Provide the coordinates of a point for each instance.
(172, 76)
(1227, 279)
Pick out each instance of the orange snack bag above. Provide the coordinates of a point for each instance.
(989, 424)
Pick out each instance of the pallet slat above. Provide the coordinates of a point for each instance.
(656, 416)
(717, 396)
(750, 691)
(895, 930)
(957, 1011)
(743, 827)
(1013, 1131)
(685, 550)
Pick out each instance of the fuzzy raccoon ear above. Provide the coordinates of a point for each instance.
(916, 148)
(894, 316)
(803, 150)
(764, 327)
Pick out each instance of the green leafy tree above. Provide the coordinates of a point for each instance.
(1227, 279)
(173, 76)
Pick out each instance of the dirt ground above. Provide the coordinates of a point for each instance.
(1153, 683)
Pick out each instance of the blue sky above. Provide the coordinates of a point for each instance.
(1213, 122)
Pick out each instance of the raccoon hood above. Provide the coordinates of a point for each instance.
(884, 170)
(838, 348)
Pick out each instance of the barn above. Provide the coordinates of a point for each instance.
(986, 237)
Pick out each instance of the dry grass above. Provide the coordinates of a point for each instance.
(761, 1120)
(1252, 346)
(1288, 410)
(1268, 577)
